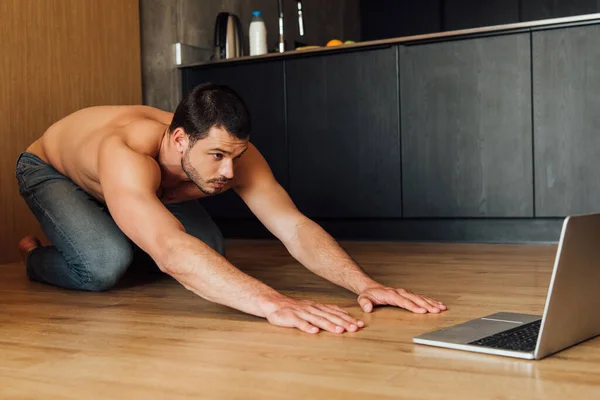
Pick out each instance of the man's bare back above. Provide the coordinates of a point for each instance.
(72, 144)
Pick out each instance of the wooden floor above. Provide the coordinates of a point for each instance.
(155, 340)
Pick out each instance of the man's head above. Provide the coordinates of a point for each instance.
(210, 129)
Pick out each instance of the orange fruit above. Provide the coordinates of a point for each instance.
(334, 42)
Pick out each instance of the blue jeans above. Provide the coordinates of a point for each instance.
(89, 251)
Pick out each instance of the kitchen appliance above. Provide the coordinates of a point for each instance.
(228, 37)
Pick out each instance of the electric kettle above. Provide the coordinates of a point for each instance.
(228, 37)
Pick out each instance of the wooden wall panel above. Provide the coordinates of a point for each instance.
(57, 56)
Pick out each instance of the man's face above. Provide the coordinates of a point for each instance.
(210, 162)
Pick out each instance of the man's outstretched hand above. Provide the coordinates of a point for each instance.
(311, 317)
(383, 295)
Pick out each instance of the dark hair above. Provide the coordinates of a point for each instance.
(209, 105)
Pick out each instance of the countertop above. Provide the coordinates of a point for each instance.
(408, 40)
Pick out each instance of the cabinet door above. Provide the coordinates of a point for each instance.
(344, 134)
(466, 128)
(261, 87)
(465, 14)
(566, 71)
(532, 10)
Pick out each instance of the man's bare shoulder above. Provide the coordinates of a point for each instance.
(252, 168)
(122, 163)
(143, 134)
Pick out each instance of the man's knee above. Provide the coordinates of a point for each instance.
(107, 264)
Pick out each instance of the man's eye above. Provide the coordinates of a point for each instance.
(218, 156)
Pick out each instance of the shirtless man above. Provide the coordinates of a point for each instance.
(105, 181)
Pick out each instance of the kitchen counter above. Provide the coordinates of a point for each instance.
(409, 40)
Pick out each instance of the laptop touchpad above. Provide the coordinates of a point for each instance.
(479, 328)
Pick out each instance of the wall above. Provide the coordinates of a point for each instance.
(165, 22)
(57, 56)
(384, 19)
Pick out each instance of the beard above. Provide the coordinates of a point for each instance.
(202, 184)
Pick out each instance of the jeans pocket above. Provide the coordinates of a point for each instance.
(22, 181)
(28, 170)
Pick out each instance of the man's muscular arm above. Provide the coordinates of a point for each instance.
(129, 181)
(308, 243)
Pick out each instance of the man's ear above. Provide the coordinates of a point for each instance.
(180, 139)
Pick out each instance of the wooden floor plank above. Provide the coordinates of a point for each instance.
(151, 338)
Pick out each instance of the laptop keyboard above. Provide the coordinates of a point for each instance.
(521, 338)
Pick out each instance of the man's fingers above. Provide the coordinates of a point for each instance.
(340, 319)
(432, 303)
(435, 303)
(345, 315)
(418, 300)
(351, 319)
(337, 308)
(304, 325)
(365, 303)
(320, 322)
(341, 313)
(428, 304)
(405, 302)
(310, 317)
(432, 308)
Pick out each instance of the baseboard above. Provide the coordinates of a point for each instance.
(484, 230)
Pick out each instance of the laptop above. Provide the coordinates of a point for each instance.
(570, 316)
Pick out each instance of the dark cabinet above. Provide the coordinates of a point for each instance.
(466, 128)
(478, 137)
(465, 14)
(532, 10)
(344, 134)
(261, 85)
(566, 70)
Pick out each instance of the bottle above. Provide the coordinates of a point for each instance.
(258, 35)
